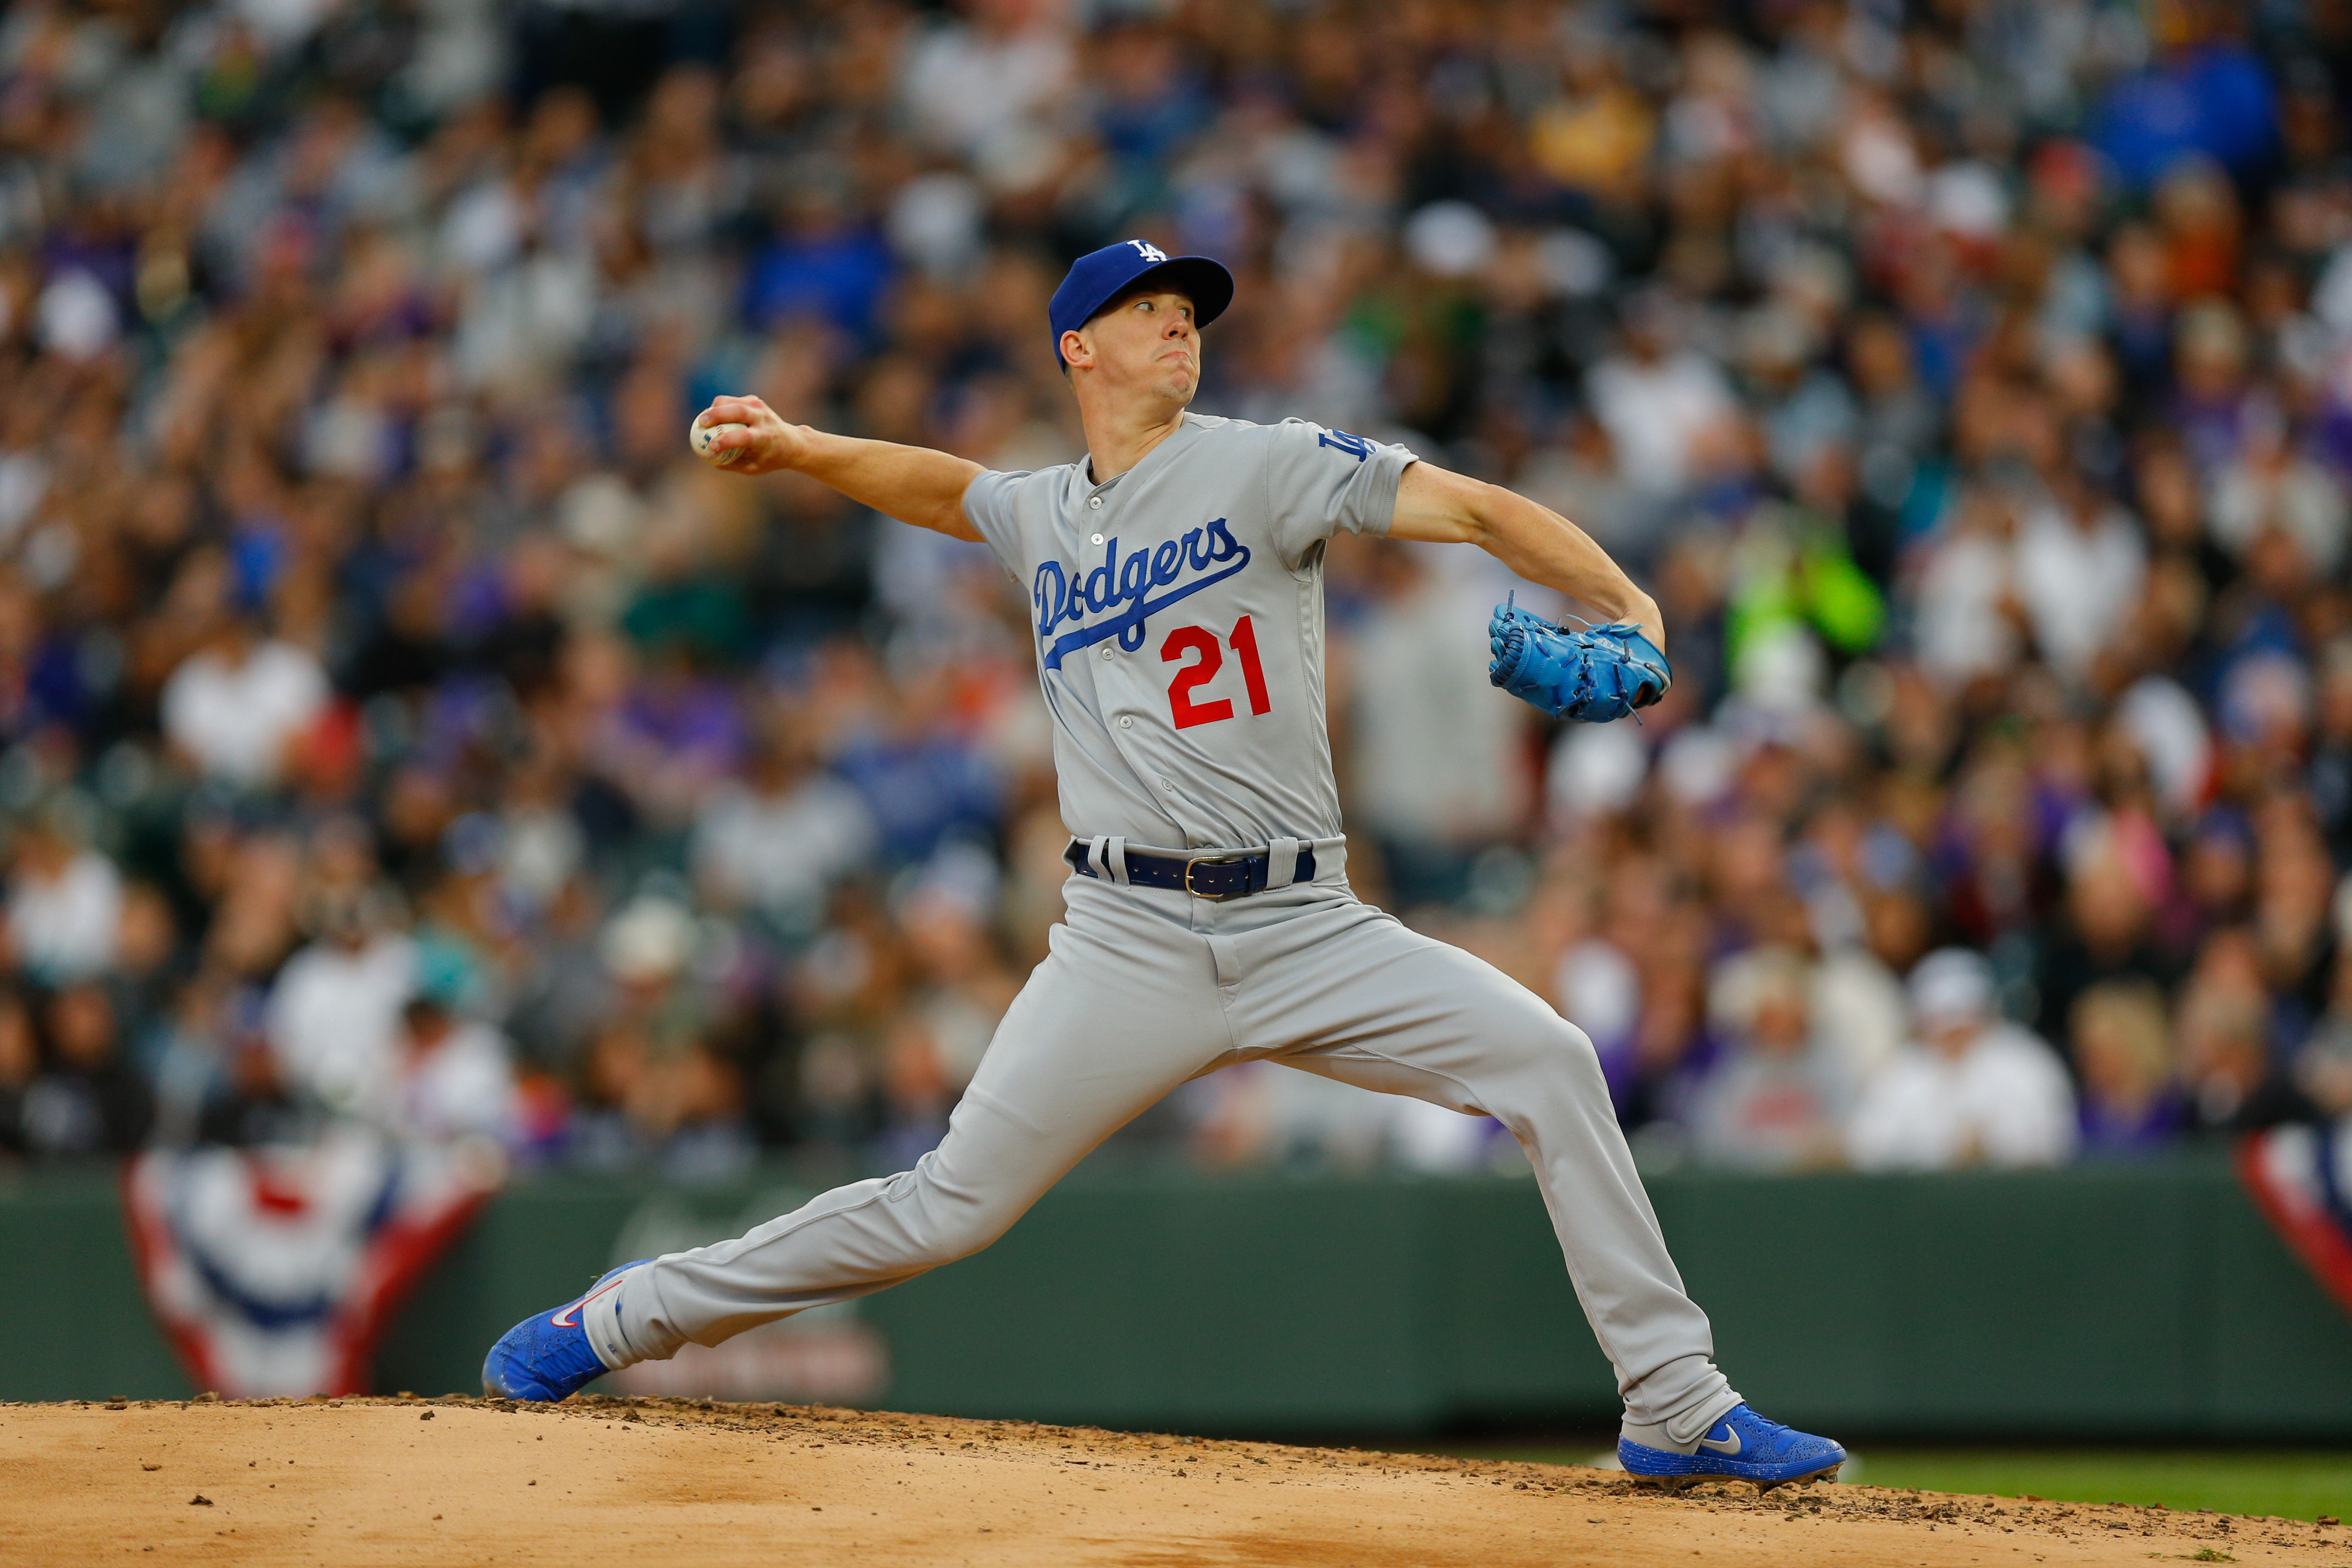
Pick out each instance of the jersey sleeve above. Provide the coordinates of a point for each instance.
(1321, 481)
(988, 502)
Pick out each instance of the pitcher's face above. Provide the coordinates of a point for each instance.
(1146, 344)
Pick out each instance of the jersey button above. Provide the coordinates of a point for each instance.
(1126, 722)
(1096, 503)
(1097, 538)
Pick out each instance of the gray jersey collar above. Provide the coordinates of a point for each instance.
(1082, 471)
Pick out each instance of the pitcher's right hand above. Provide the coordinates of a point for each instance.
(765, 444)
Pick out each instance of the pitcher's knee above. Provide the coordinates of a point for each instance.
(943, 1224)
(1519, 1021)
(969, 1231)
(1550, 1044)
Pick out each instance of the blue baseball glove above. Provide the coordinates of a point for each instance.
(1594, 674)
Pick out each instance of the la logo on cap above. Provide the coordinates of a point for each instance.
(1149, 251)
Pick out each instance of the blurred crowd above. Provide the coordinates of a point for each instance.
(396, 722)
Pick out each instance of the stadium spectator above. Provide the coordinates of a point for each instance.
(87, 1099)
(2131, 1100)
(779, 839)
(335, 1008)
(20, 1066)
(2228, 1064)
(2080, 564)
(1975, 1090)
(2322, 1069)
(455, 1076)
(236, 706)
(1778, 1100)
(2116, 870)
(65, 902)
(1437, 769)
(1667, 407)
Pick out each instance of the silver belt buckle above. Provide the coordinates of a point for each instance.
(1215, 860)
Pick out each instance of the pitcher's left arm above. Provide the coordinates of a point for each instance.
(1535, 541)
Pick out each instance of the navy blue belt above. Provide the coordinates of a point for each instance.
(1216, 876)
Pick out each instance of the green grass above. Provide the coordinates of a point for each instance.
(2300, 1483)
(2292, 1483)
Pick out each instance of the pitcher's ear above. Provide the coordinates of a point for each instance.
(1074, 350)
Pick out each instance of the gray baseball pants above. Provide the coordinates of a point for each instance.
(1146, 988)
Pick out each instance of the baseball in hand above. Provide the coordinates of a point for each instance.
(701, 435)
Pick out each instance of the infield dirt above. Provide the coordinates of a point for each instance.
(473, 1481)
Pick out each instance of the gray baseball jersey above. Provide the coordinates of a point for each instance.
(1179, 615)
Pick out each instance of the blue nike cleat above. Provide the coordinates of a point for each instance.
(1742, 1447)
(547, 1357)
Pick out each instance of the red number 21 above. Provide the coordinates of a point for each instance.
(1201, 641)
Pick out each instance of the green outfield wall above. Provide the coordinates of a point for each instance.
(2143, 1301)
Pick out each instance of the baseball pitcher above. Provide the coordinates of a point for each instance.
(1174, 580)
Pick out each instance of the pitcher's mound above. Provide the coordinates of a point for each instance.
(473, 1481)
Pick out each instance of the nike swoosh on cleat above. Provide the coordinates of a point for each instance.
(565, 1318)
(1728, 1445)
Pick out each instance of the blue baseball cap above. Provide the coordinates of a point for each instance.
(1101, 276)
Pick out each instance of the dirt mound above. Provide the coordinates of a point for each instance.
(468, 1480)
